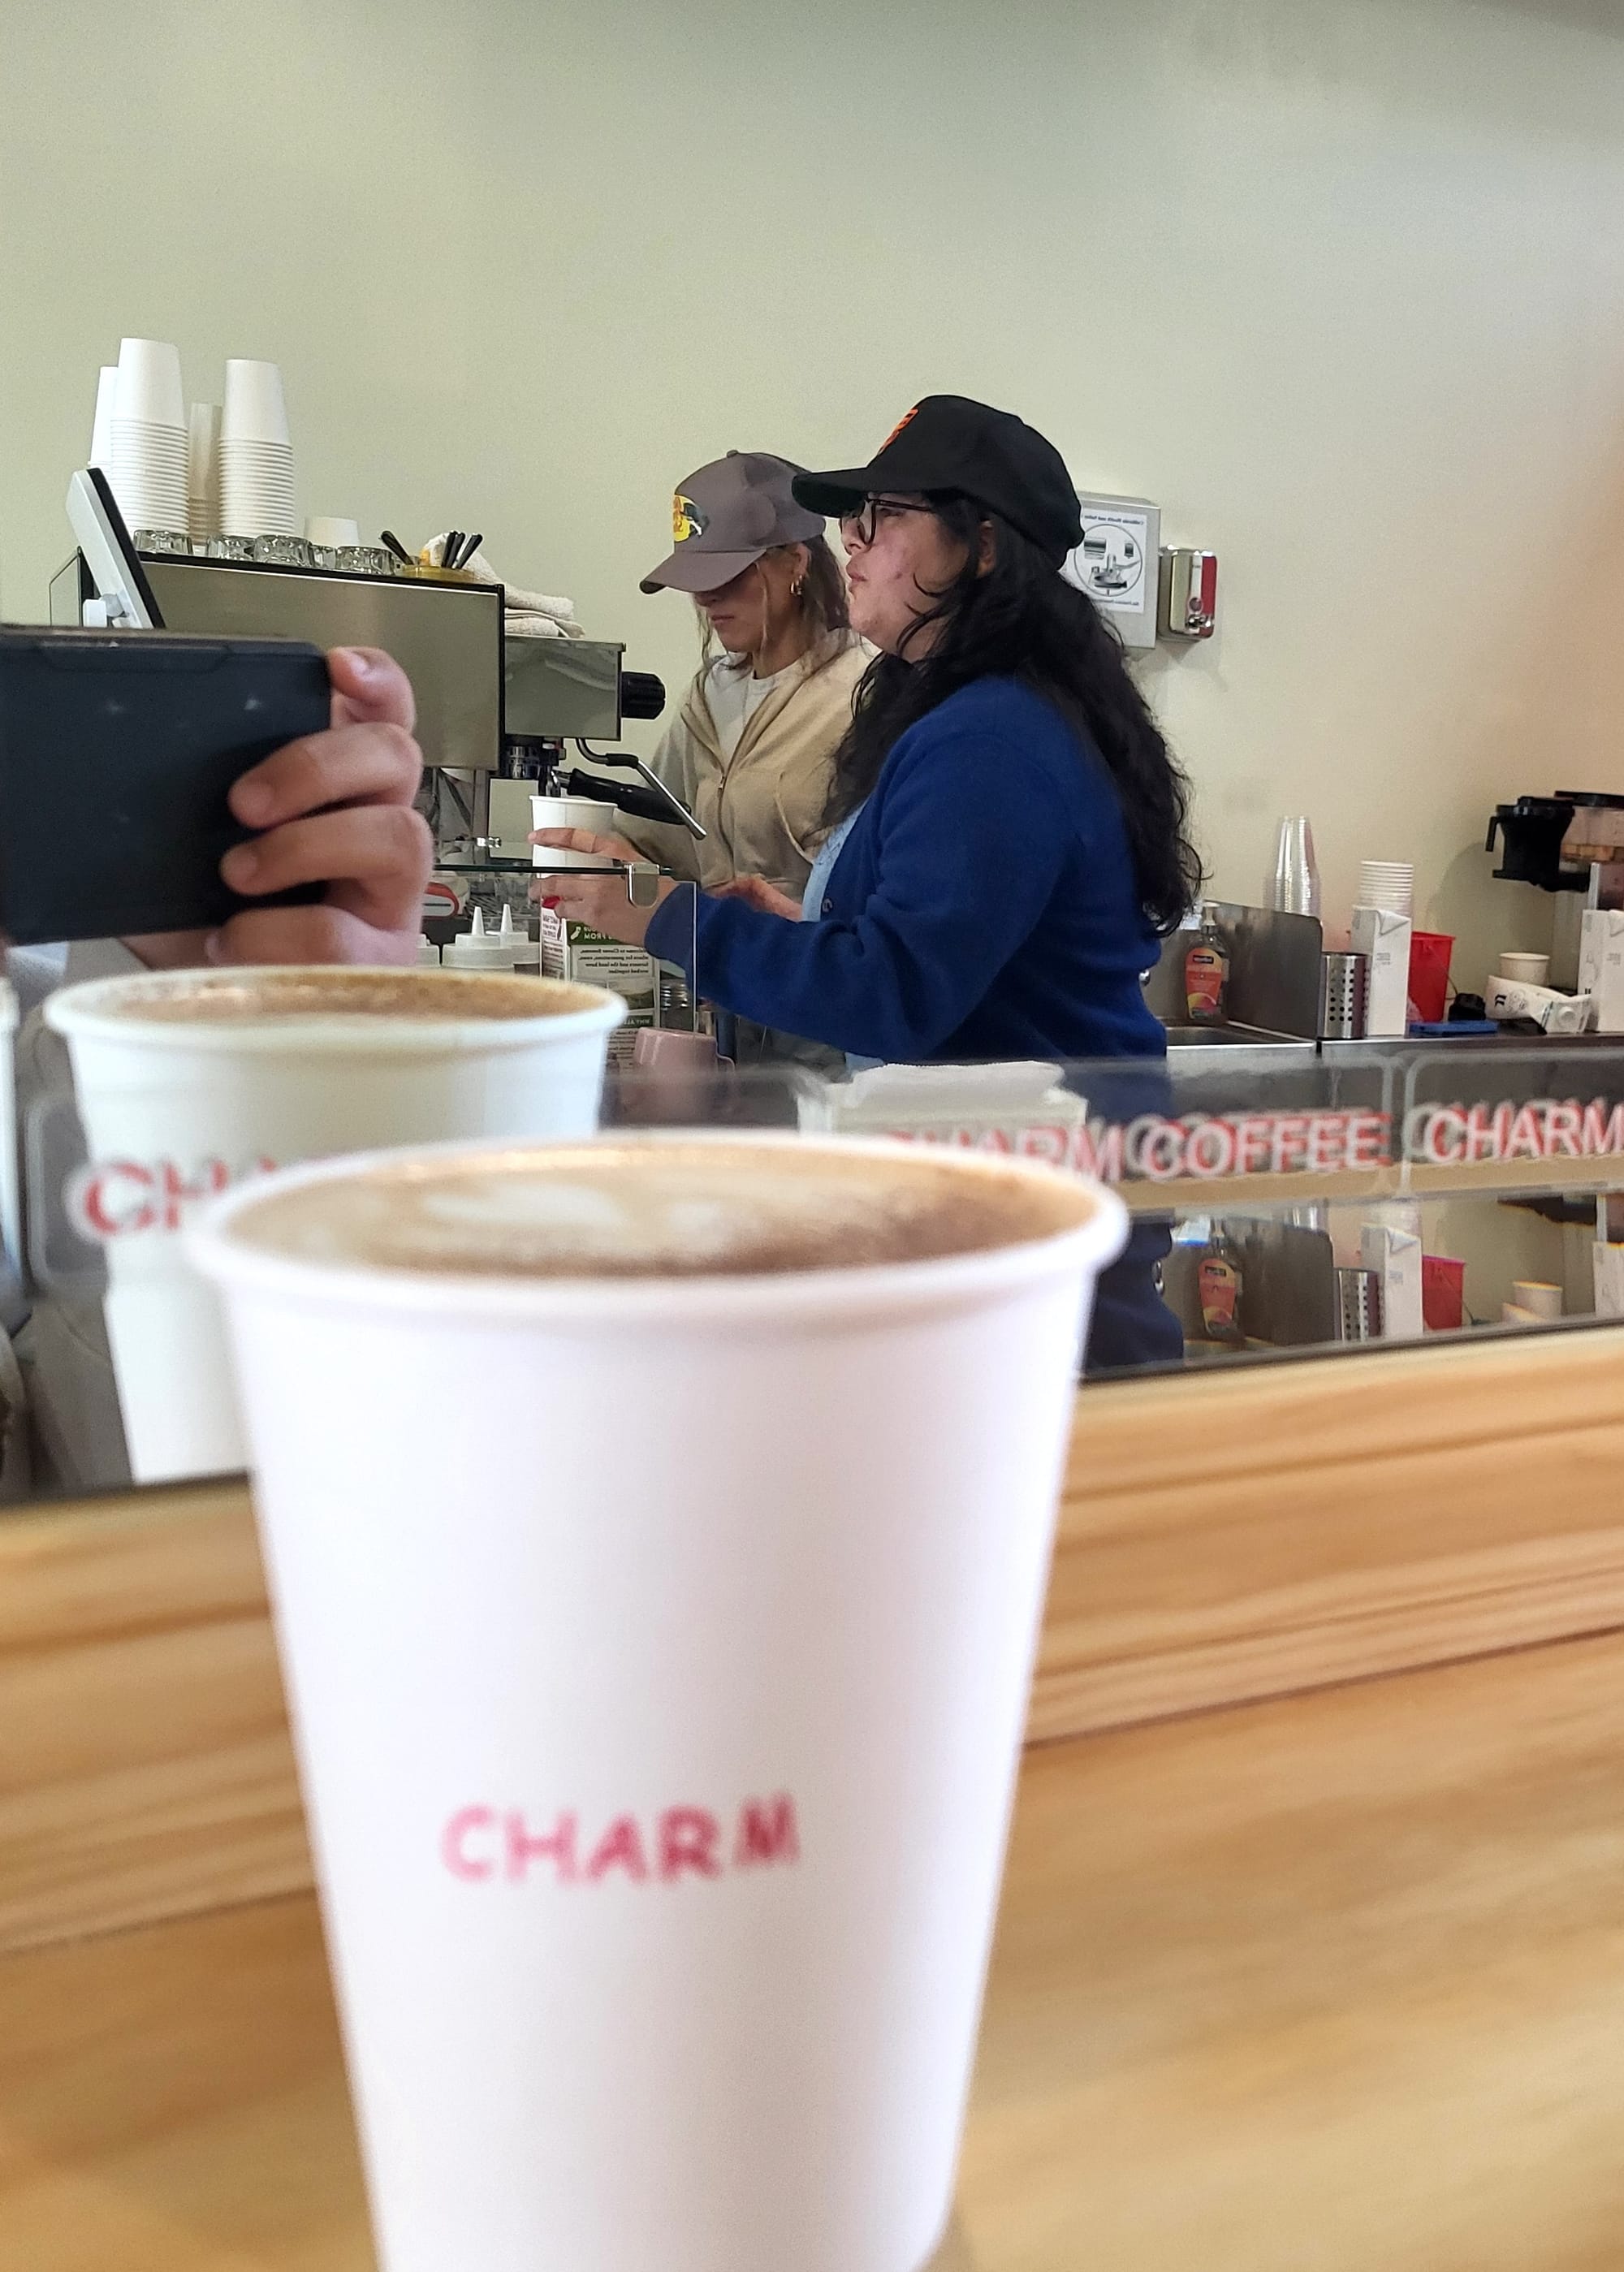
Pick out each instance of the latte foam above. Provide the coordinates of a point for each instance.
(676, 1210)
(226, 997)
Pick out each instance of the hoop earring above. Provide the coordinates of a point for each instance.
(795, 588)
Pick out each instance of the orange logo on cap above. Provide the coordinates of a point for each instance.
(687, 518)
(907, 419)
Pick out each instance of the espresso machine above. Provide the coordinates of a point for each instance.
(1569, 845)
(492, 710)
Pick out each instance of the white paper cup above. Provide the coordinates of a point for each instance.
(203, 472)
(134, 464)
(172, 1110)
(677, 1074)
(147, 504)
(255, 408)
(658, 1780)
(101, 426)
(1525, 969)
(257, 492)
(11, 1186)
(149, 384)
(1537, 1297)
(265, 460)
(242, 515)
(325, 529)
(570, 812)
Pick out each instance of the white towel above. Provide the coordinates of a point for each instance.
(524, 612)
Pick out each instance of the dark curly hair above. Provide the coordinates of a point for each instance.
(1020, 619)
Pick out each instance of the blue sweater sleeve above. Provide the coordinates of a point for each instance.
(972, 838)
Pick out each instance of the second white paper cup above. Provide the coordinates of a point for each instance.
(102, 427)
(658, 1780)
(148, 388)
(255, 408)
(170, 1106)
(601, 817)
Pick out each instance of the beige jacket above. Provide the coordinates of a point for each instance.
(762, 811)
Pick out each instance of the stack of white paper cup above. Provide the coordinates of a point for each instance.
(256, 457)
(660, 1839)
(148, 440)
(101, 426)
(203, 472)
(187, 1080)
(1388, 884)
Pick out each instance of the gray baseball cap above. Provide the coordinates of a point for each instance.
(726, 515)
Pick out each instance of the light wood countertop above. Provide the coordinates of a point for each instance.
(1221, 1540)
(1329, 1983)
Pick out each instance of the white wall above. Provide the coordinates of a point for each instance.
(1340, 282)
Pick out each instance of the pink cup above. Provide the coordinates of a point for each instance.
(675, 1075)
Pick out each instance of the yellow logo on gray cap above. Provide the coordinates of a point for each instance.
(687, 518)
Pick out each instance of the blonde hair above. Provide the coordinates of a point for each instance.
(822, 605)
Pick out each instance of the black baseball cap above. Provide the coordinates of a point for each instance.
(948, 442)
(726, 515)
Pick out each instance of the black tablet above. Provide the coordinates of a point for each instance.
(117, 749)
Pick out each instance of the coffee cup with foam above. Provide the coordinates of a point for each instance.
(659, 1772)
(186, 1080)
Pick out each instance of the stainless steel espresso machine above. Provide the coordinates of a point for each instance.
(490, 709)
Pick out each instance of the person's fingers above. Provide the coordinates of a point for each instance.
(313, 934)
(369, 685)
(565, 840)
(566, 889)
(583, 839)
(757, 893)
(374, 764)
(374, 858)
(600, 900)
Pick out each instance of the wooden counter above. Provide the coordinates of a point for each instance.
(1329, 1984)
(1222, 1539)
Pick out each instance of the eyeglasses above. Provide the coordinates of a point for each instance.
(859, 527)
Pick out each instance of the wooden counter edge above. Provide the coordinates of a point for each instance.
(1220, 1540)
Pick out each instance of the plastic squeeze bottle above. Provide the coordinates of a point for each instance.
(1207, 977)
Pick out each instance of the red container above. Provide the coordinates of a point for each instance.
(1429, 974)
(1443, 1294)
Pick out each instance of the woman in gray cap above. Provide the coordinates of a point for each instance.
(751, 749)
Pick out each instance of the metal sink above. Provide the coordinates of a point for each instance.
(1231, 1037)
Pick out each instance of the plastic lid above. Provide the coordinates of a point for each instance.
(475, 949)
(525, 950)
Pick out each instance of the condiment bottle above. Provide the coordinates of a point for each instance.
(1219, 1284)
(1207, 975)
(526, 952)
(477, 949)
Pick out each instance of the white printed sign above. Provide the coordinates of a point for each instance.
(1112, 562)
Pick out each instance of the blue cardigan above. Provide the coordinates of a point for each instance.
(983, 907)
